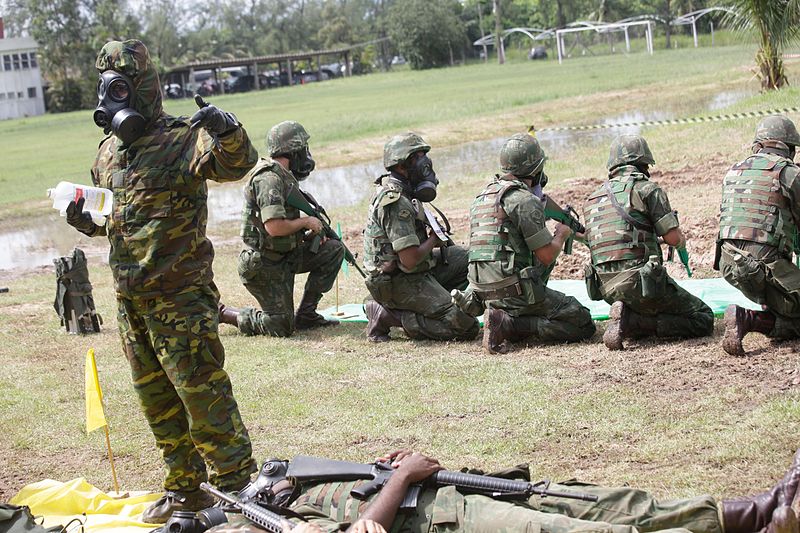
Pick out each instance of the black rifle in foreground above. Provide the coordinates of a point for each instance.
(313, 469)
(265, 518)
(308, 205)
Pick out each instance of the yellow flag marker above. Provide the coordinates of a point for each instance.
(95, 416)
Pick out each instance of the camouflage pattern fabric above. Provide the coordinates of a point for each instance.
(271, 282)
(629, 149)
(539, 313)
(522, 156)
(777, 128)
(286, 138)
(161, 262)
(267, 265)
(398, 148)
(619, 510)
(677, 312)
(74, 302)
(176, 360)
(764, 273)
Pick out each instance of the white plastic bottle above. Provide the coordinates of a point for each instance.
(98, 200)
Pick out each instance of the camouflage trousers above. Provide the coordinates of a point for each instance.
(176, 360)
(546, 315)
(677, 312)
(618, 510)
(774, 284)
(269, 277)
(425, 296)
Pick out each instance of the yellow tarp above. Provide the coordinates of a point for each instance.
(60, 502)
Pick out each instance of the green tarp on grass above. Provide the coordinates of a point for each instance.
(716, 292)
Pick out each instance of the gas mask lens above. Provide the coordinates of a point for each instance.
(119, 91)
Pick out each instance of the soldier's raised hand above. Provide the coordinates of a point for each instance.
(216, 121)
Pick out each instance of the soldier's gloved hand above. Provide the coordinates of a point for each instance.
(216, 121)
(79, 220)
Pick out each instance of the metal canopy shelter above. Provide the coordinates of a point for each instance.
(536, 34)
(694, 16)
(599, 27)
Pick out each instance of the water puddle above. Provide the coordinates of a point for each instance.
(49, 237)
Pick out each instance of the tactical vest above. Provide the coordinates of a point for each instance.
(753, 208)
(253, 233)
(617, 232)
(488, 226)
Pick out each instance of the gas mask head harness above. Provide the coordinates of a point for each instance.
(301, 164)
(420, 176)
(115, 112)
(261, 490)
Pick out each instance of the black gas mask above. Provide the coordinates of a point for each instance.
(114, 112)
(301, 164)
(422, 177)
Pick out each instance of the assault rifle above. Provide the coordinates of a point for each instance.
(307, 204)
(566, 215)
(304, 468)
(268, 520)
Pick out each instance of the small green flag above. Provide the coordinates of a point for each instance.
(345, 265)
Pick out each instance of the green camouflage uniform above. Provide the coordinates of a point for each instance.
(424, 292)
(760, 210)
(267, 265)
(620, 253)
(161, 262)
(618, 510)
(507, 223)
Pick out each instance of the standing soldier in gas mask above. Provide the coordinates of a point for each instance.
(758, 231)
(157, 166)
(278, 243)
(409, 274)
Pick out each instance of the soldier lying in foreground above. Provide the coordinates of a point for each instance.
(329, 506)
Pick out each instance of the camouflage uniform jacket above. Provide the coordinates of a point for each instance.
(394, 224)
(157, 227)
(265, 198)
(507, 216)
(645, 202)
(788, 206)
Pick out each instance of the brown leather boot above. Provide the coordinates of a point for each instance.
(497, 328)
(739, 322)
(161, 510)
(379, 321)
(784, 520)
(307, 316)
(229, 315)
(617, 328)
(753, 513)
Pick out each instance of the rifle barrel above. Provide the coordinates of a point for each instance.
(265, 518)
(496, 484)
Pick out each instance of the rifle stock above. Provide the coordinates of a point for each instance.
(306, 203)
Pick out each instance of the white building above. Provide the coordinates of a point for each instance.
(21, 92)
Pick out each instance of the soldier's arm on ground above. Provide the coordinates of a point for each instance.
(652, 201)
(398, 220)
(226, 158)
(526, 212)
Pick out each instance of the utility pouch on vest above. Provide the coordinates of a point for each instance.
(592, 282)
(743, 272)
(532, 284)
(74, 302)
(653, 278)
(380, 287)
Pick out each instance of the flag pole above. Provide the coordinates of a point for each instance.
(111, 460)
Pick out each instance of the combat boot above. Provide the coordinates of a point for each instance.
(497, 328)
(617, 327)
(307, 316)
(739, 322)
(229, 315)
(379, 321)
(161, 510)
(784, 520)
(753, 513)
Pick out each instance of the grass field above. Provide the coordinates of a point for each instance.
(677, 417)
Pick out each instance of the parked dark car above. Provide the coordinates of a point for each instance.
(538, 52)
(240, 84)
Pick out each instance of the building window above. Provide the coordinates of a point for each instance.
(34, 64)
(6, 62)
(25, 64)
(11, 95)
(31, 92)
(16, 61)
(2, 96)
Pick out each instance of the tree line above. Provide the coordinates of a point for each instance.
(427, 33)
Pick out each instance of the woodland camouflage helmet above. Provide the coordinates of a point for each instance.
(629, 149)
(286, 138)
(522, 156)
(777, 128)
(398, 148)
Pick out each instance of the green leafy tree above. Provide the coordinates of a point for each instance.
(426, 32)
(777, 23)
